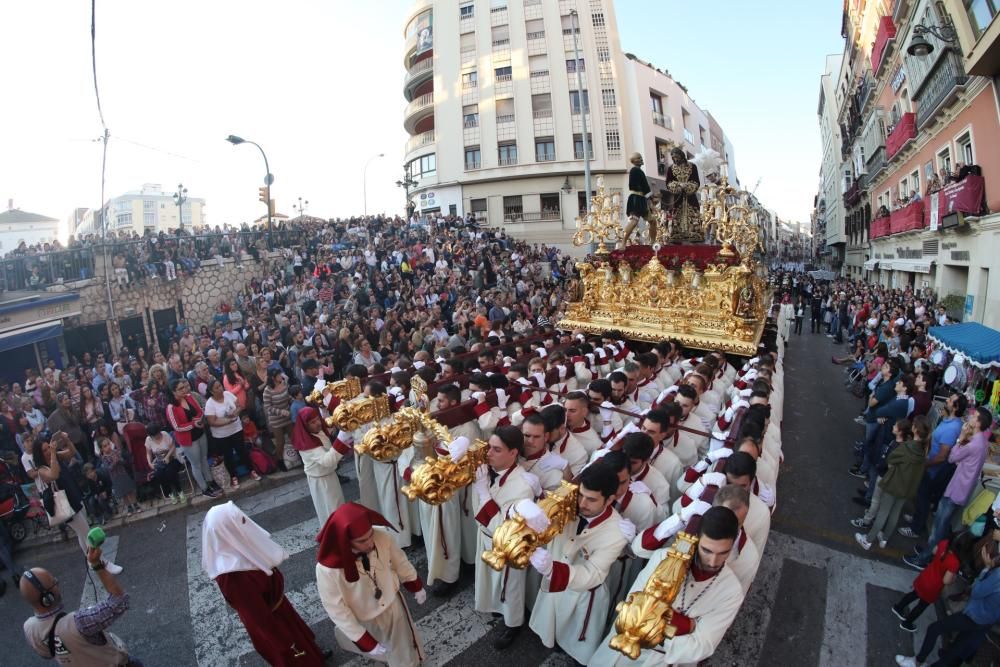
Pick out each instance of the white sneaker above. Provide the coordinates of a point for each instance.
(907, 661)
(113, 568)
(882, 541)
(862, 540)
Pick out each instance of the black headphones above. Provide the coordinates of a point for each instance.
(48, 598)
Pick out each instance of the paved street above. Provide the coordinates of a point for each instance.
(817, 600)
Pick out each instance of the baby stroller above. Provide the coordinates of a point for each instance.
(854, 378)
(14, 504)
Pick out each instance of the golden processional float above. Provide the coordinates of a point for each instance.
(698, 281)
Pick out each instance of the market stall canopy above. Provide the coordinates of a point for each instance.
(979, 344)
(870, 265)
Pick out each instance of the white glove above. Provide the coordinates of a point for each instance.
(695, 490)
(717, 454)
(420, 596)
(663, 395)
(524, 382)
(766, 493)
(542, 352)
(533, 515)
(601, 353)
(541, 560)
(746, 392)
(458, 447)
(396, 391)
(541, 378)
(701, 466)
(552, 461)
(639, 487)
(418, 365)
(562, 372)
(590, 357)
(480, 396)
(697, 508)
(668, 527)
(379, 650)
(534, 483)
(606, 410)
(714, 479)
(627, 528)
(502, 399)
(482, 483)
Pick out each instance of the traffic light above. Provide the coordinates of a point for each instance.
(262, 195)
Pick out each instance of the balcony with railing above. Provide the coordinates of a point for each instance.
(419, 141)
(417, 109)
(886, 34)
(875, 163)
(531, 216)
(903, 133)
(853, 195)
(509, 161)
(908, 218)
(663, 120)
(417, 74)
(939, 87)
(879, 227)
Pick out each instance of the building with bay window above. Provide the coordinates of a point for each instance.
(496, 102)
(920, 124)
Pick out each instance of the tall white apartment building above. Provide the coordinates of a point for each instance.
(494, 106)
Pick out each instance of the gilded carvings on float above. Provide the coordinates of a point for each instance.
(707, 295)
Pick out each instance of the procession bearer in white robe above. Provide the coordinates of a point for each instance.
(704, 608)
(359, 573)
(499, 485)
(573, 604)
(320, 454)
(392, 504)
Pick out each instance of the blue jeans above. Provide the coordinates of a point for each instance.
(942, 526)
(871, 432)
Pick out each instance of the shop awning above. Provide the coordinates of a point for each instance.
(870, 265)
(912, 265)
(980, 344)
(10, 340)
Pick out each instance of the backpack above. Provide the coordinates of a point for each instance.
(262, 462)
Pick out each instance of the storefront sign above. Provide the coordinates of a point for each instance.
(960, 255)
(52, 311)
(948, 245)
(909, 253)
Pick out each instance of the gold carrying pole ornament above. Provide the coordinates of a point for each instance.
(644, 618)
(438, 478)
(602, 222)
(345, 390)
(352, 415)
(385, 442)
(514, 541)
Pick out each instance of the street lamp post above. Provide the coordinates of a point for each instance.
(179, 198)
(301, 208)
(268, 178)
(364, 180)
(583, 107)
(406, 184)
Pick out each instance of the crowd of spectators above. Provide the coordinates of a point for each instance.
(921, 453)
(374, 293)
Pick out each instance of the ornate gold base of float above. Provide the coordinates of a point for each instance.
(719, 304)
(721, 308)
